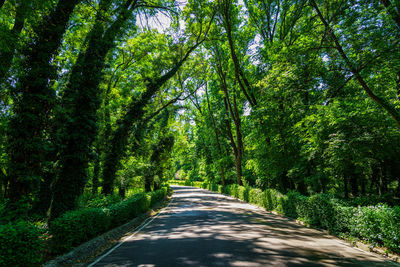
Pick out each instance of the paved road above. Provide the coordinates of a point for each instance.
(201, 228)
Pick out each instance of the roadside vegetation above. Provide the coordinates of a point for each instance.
(28, 244)
(102, 101)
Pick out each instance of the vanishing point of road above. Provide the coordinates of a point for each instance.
(202, 228)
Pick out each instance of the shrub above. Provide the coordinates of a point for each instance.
(20, 244)
(102, 201)
(390, 227)
(232, 190)
(243, 193)
(287, 204)
(128, 209)
(220, 189)
(323, 215)
(158, 195)
(214, 187)
(74, 227)
(255, 196)
(270, 199)
(188, 183)
(343, 217)
(77, 226)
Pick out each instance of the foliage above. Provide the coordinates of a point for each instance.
(158, 195)
(20, 244)
(75, 227)
(97, 201)
(298, 101)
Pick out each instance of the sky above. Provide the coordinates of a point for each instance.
(161, 21)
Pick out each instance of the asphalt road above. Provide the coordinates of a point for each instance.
(201, 228)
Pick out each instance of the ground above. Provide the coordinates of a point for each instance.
(201, 228)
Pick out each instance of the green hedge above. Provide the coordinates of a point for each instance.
(157, 195)
(20, 244)
(77, 226)
(379, 224)
(189, 183)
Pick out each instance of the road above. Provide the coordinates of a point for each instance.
(202, 228)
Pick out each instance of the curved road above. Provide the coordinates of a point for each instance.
(201, 228)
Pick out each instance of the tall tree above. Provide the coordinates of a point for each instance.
(33, 101)
(232, 112)
(354, 68)
(217, 137)
(119, 137)
(228, 11)
(135, 109)
(81, 102)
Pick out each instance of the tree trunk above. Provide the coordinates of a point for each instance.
(363, 186)
(148, 181)
(235, 151)
(235, 116)
(346, 190)
(354, 184)
(96, 174)
(239, 141)
(240, 77)
(398, 187)
(121, 192)
(43, 203)
(284, 183)
(238, 163)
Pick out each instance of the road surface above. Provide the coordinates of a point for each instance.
(201, 228)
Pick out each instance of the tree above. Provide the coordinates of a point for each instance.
(135, 110)
(34, 99)
(81, 102)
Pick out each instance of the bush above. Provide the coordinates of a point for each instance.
(377, 224)
(270, 199)
(74, 227)
(287, 204)
(101, 201)
(390, 227)
(77, 226)
(213, 187)
(232, 190)
(255, 196)
(128, 209)
(158, 195)
(317, 210)
(20, 244)
(243, 193)
(343, 217)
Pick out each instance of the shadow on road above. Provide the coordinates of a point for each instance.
(201, 228)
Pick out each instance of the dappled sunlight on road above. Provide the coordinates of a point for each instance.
(201, 228)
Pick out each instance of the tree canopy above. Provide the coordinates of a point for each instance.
(106, 96)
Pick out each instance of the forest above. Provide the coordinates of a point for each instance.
(104, 99)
